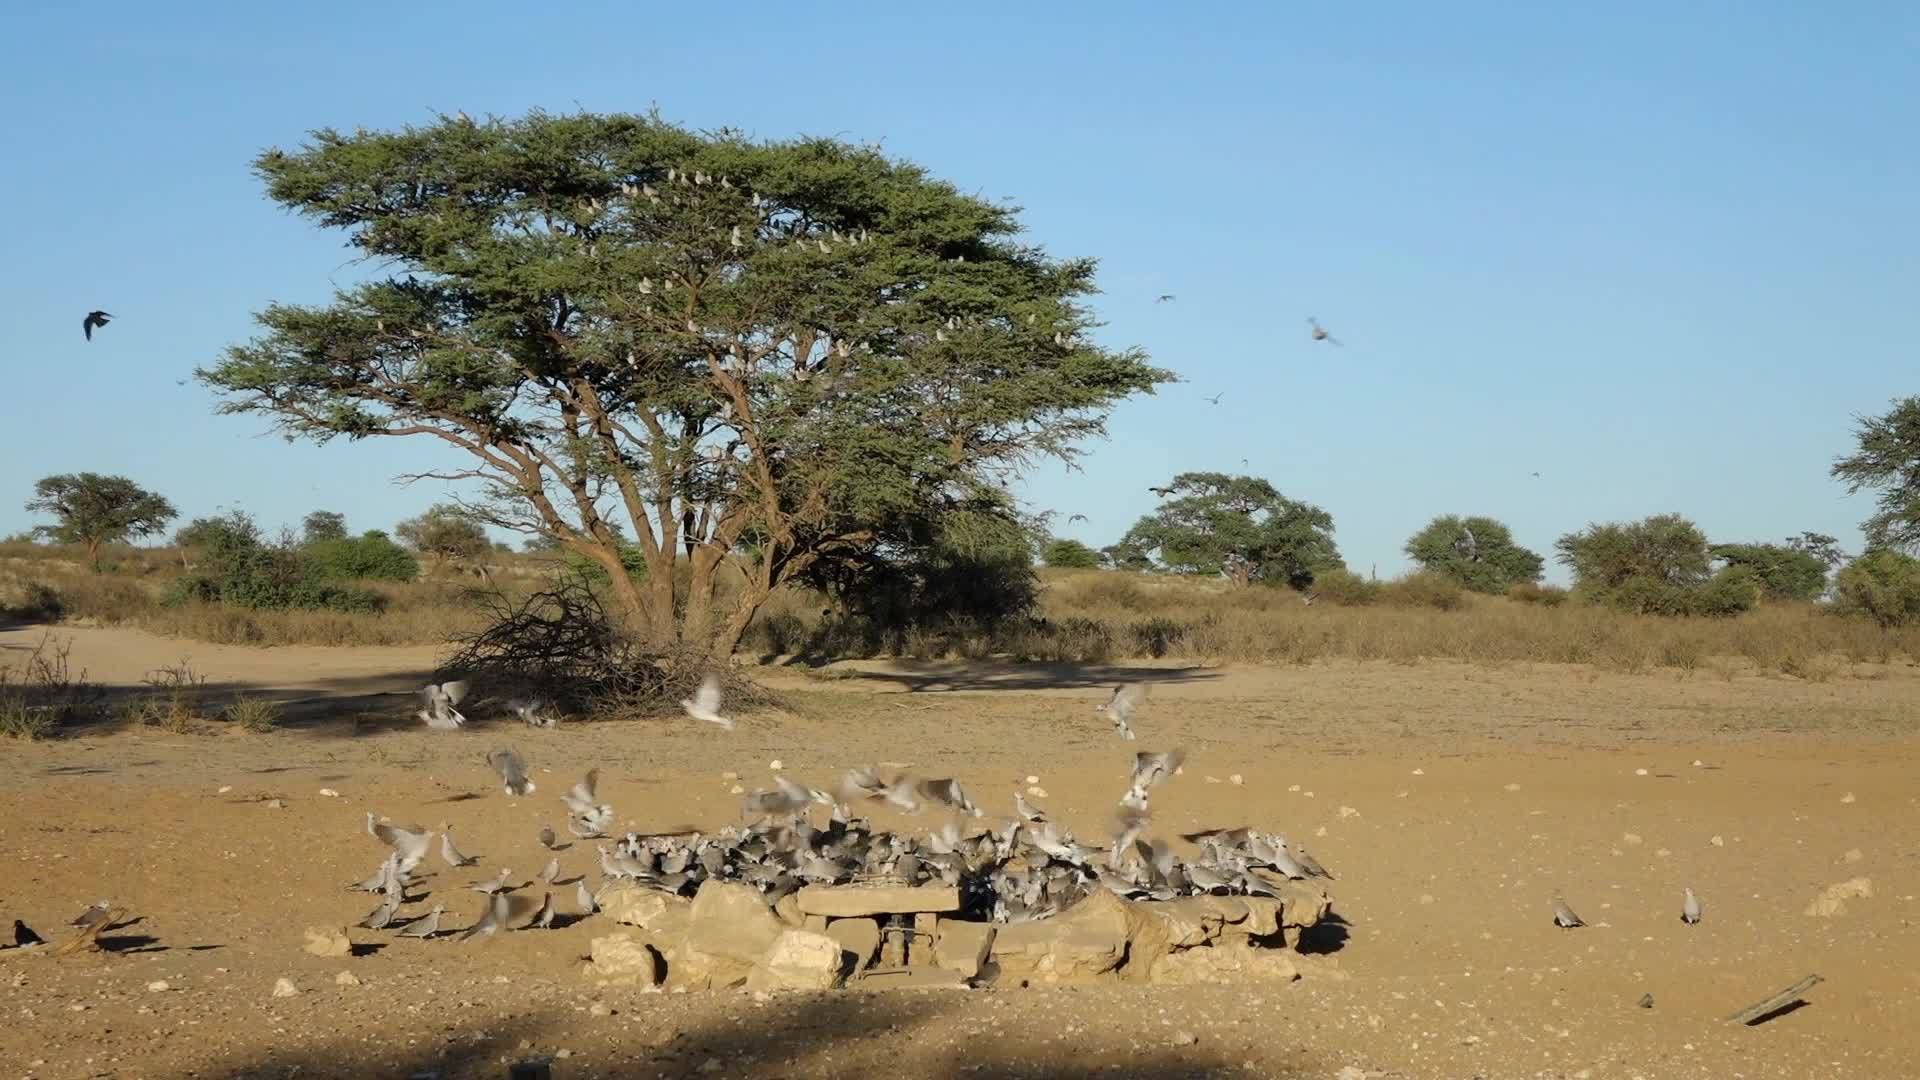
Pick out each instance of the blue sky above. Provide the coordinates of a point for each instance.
(1660, 254)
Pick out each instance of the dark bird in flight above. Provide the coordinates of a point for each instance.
(1320, 332)
(1163, 492)
(1536, 476)
(93, 319)
(1215, 399)
(1076, 517)
(1163, 298)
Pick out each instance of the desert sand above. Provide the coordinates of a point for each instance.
(1450, 800)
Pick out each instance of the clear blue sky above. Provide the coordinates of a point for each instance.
(1659, 253)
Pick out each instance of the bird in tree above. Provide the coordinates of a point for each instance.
(93, 319)
(576, 399)
(1320, 333)
(95, 510)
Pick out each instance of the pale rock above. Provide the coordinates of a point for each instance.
(1185, 1038)
(346, 978)
(1630, 838)
(1419, 772)
(329, 793)
(736, 790)
(624, 959)
(801, 960)
(328, 941)
(1037, 791)
(159, 986)
(224, 788)
(1513, 787)
(1089, 940)
(1853, 855)
(663, 915)
(963, 946)
(1718, 841)
(1348, 811)
(1033, 779)
(729, 775)
(775, 765)
(859, 936)
(284, 988)
(1236, 779)
(276, 804)
(1639, 772)
(1832, 899)
(1225, 964)
(787, 909)
(845, 901)
(1847, 798)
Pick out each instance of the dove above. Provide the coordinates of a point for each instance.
(93, 319)
(1320, 334)
(705, 703)
(542, 919)
(1163, 298)
(389, 867)
(551, 870)
(494, 886)
(591, 826)
(584, 897)
(512, 770)
(441, 699)
(1027, 811)
(949, 793)
(1151, 769)
(546, 837)
(451, 855)
(410, 842)
(863, 783)
(381, 917)
(1690, 908)
(24, 936)
(580, 798)
(1310, 864)
(498, 913)
(1563, 916)
(1119, 708)
(533, 713)
(1163, 492)
(426, 925)
(92, 915)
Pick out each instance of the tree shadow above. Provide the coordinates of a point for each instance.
(932, 676)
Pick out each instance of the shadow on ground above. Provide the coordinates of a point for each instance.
(926, 676)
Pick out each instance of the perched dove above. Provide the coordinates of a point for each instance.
(551, 870)
(451, 855)
(546, 837)
(513, 772)
(1690, 908)
(705, 703)
(425, 926)
(542, 919)
(584, 897)
(382, 917)
(1563, 916)
(533, 713)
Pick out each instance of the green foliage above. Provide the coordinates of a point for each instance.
(631, 557)
(1477, 552)
(1527, 592)
(1888, 461)
(1657, 566)
(1426, 589)
(1344, 588)
(971, 560)
(1124, 557)
(1820, 546)
(1883, 585)
(238, 570)
(323, 525)
(255, 714)
(1783, 572)
(1071, 554)
(212, 538)
(92, 509)
(445, 534)
(371, 556)
(1237, 526)
(715, 334)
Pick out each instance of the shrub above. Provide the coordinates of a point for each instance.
(1733, 590)
(1882, 585)
(631, 557)
(1544, 595)
(254, 714)
(1782, 572)
(1345, 588)
(1070, 554)
(1426, 589)
(371, 556)
(32, 601)
(1157, 635)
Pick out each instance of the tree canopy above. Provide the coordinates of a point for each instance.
(1069, 553)
(93, 510)
(1661, 565)
(1783, 571)
(1888, 462)
(707, 336)
(444, 533)
(1239, 526)
(1477, 552)
(323, 525)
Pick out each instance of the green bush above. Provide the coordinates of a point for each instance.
(1882, 585)
(371, 556)
(1071, 554)
(1781, 572)
(630, 557)
(1527, 592)
(1426, 589)
(1734, 589)
(1345, 588)
(241, 572)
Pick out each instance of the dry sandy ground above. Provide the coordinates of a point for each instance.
(1450, 800)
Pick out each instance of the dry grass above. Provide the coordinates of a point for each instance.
(42, 693)
(1091, 615)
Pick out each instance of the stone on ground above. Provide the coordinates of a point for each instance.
(328, 941)
(800, 960)
(623, 959)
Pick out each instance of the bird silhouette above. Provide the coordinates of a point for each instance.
(1215, 399)
(1163, 298)
(93, 319)
(1163, 492)
(1076, 517)
(1320, 332)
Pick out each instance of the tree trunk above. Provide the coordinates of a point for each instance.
(93, 554)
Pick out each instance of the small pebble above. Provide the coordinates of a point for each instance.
(1033, 779)
(1419, 772)
(346, 978)
(276, 804)
(729, 775)
(1639, 772)
(1037, 791)
(1847, 798)
(329, 793)
(1853, 855)
(1185, 1038)
(224, 788)
(736, 790)
(599, 1008)
(1513, 787)
(1718, 841)
(284, 988)
(775, 765)
(1630, 838)
(159, 986)
(1348, 811)
(1236, 779)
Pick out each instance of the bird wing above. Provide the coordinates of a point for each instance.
(456, 691)
(409, 842)
(707, 698)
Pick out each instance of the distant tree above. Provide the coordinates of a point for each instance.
(445, 533)
(1071, 554)
(1125, 556)
(1820, 546)
(1884, 585)
(323, 525)
(371, 555)
(1657, 566)
(1888, 461)
(93, 510)
(1477, 552)
(541, 544)
(1237, 526)
(708, 333)
(1782, 571)
(211, 539)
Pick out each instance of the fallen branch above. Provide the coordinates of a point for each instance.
(1774, 1003)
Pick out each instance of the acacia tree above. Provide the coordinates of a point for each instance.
(444, 533)
(323, 525)
(1238, 526)
(709, 337)
(1888, 461)
(93, 510)
(1477, 552)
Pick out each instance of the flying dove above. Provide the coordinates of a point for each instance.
(1690, 908)
(441, 699)
(1563, 916)
(425, 926)
(451, 855)
(494, 886)
(411, 842)
(513, 772)
(581, 798)
(498, 913)
(1027, 811)
(93, 319)
(1151, 769)
(1119, 708)
(949, 793)
(1163, 298)
(864, 783)
(1320, 333)
(1163, 492)
(705, 703)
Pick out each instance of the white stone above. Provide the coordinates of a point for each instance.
(159, 986)
(800, 960)
(284, 988)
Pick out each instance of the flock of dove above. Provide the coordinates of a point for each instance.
(1024, 868)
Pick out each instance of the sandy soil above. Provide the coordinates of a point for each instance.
(1451, 801)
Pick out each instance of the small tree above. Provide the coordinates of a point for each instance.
(1820, 546)
(323, 525)
(1888, 461)
(1883, 585)
(1666, 549)
(1238, 526)
(371, 555)
(1070, 554)
(444, 534)
(1477, 552)
(1782, 571)
(92, 509)
(210, 539)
